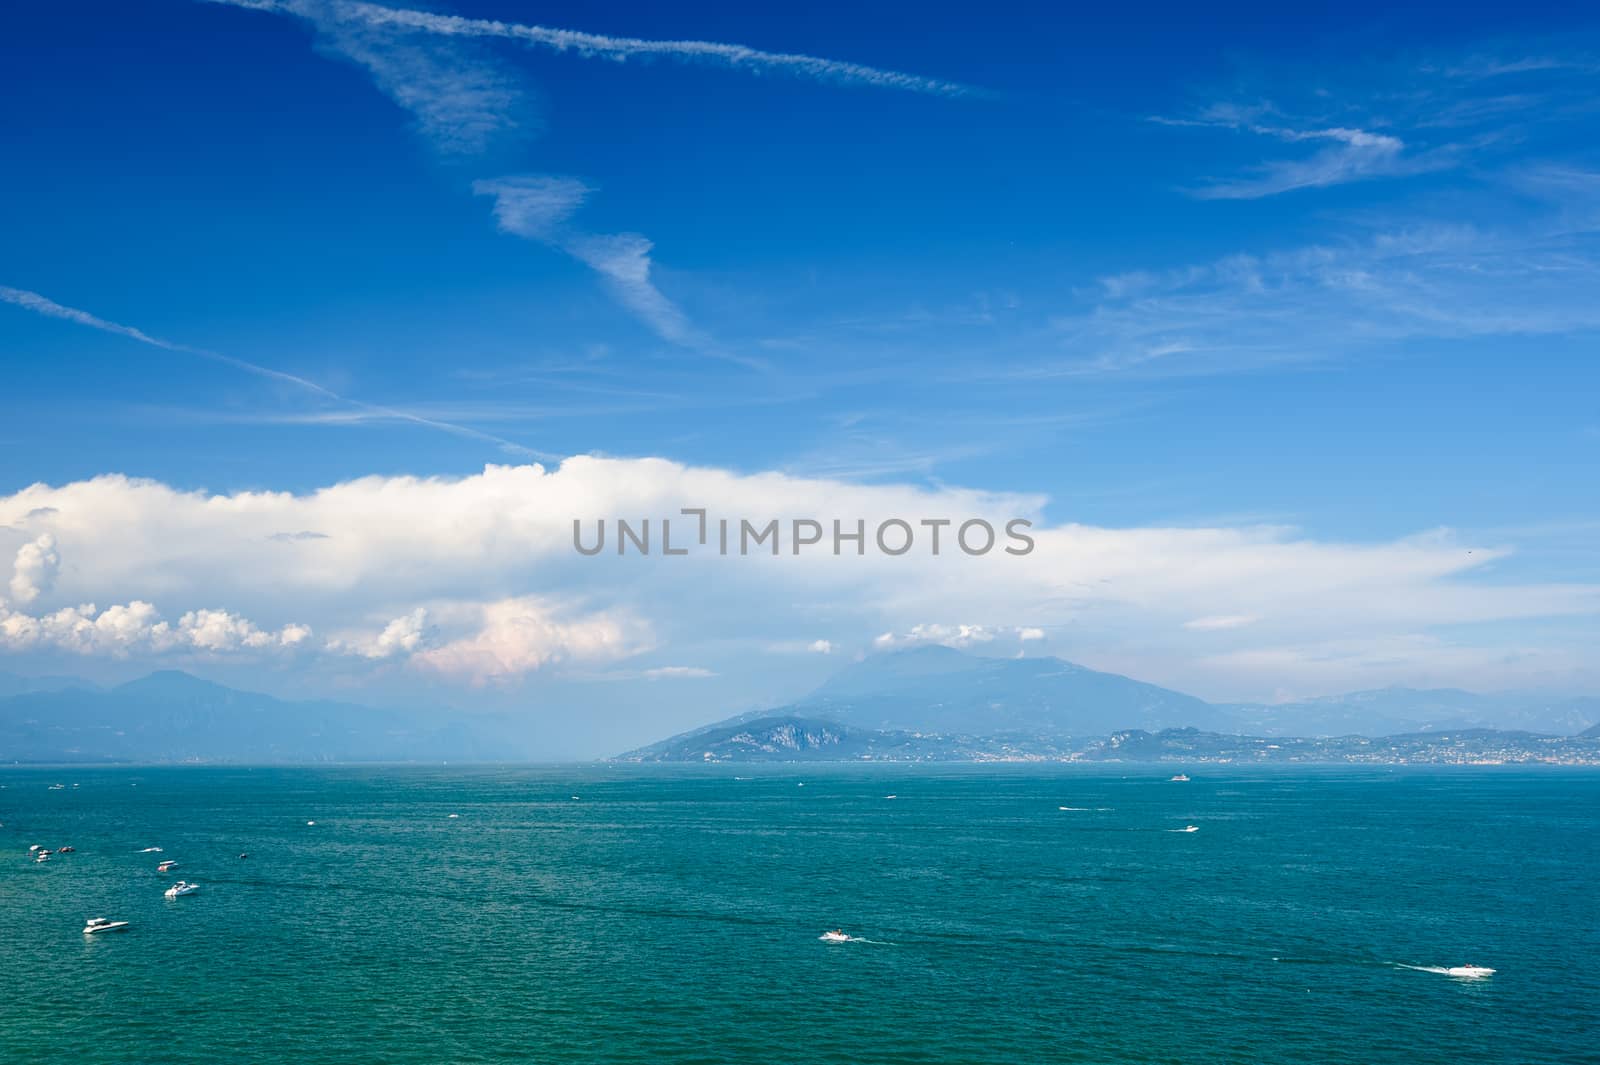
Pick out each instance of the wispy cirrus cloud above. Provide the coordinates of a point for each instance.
(1370, 290)
(1349, 155)
(464, 102)
(541, 207)
(1346, 154)
(601, 46)
(39, 304)
(1392, 120)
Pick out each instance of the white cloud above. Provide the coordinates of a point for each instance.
(462, 102)
(1370, 291)
(948, 635)
(540, 207)
(963, 637)
(35, 569)
(678, 673)
(1216, 622)
(474, 579)
(737, 56)
(533, 205)
(517, 636)
(136, 628)
(821, 647)
(1353, 155)
(401, 636)
(623, 259)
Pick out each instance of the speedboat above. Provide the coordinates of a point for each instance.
(167, 866)
(182, 888)
(1181, 778)
(42, 856)
(1470, 972)
(97, 925)
(1188, 828)
(835, 936)
(65, 850)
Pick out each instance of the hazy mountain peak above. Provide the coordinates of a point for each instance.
(172, 683)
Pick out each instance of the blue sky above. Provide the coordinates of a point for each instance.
(1330, 270)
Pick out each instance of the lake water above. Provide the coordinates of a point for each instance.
(657, 914)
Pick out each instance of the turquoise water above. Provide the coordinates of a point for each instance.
(672, 915)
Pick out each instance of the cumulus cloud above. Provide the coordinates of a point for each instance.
(678, 673)
(401, 636)
(474, 579)
(35, 569)
(947, 635)
(513, 637)
(962, 637)
(137, 628)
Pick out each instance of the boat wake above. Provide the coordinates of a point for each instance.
(1463, 972)
(833, 937)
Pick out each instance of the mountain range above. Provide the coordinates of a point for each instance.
(174, 717)
(939, 703)
(924, 704)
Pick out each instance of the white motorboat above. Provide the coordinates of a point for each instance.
(1188, 828)
(97, 925)
(182, 888)
(167, 866)
(835, 936)
(1181, 778)
(1470, 972)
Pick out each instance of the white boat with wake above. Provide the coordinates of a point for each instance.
(1469, 972)
(835, 936)
(1461, 973)
(181, 888)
